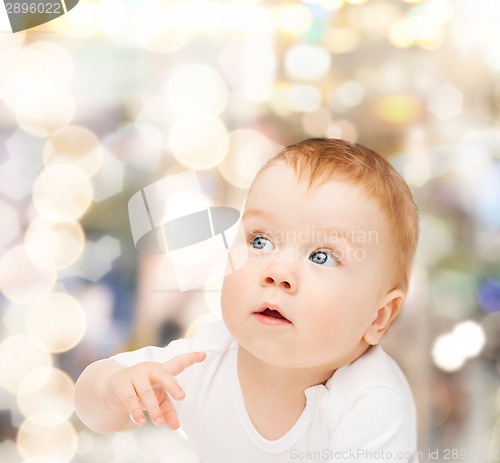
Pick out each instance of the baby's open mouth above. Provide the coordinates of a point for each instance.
(272, 313)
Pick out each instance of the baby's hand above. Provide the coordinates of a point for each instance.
(147, 386)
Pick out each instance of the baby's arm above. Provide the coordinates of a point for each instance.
(110, 397)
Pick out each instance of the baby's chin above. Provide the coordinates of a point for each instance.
(310, 371)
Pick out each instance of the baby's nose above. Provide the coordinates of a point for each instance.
(278, 275)
(284, 283)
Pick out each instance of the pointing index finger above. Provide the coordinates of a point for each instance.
(179, 364)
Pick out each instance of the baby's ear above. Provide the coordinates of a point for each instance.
(388, 310)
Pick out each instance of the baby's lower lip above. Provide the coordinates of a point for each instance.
(271, 321)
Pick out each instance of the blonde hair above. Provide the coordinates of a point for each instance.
(318, 160)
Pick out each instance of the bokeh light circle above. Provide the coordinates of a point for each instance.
(484, 184)
(195, 88)
(77, 145)
(62, 193)
(21, 280)
(451, 350)
(54, 245)
(46, 434)
(489, 295)
(400, 34)
(293, 18)
(343, 39)
(303, 98)
(47, 114)
(349, 94)
(471, 337)
(58, 321)
(198, 141)
(169, 40)
(342, 128)
(10, 42)
(140, 145)
(446, 353)
(59, 60)
(398, 109)
(25, 75)
(307, 62)
(10, 224)
(53, 394)
(19, 355)
(248, 151)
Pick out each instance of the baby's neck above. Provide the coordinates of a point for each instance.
(288, 381)
(274, 397)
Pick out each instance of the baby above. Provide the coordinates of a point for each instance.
(294, 372)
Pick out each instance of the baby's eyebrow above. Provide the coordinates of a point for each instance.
(316, 235)
(257, 213)
(348, 236)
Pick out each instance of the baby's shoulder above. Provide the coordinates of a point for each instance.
(371, 397)
(374, 369)
(375, 374)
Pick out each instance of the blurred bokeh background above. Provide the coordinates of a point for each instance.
(118, 94)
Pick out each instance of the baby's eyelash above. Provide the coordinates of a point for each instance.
(252, 234)
(256, 233)
(333, 254)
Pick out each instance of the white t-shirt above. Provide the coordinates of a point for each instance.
(364, 413)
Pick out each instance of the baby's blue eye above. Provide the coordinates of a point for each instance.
(323, 258)
(261, 242)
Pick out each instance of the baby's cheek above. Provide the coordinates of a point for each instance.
(230, 291)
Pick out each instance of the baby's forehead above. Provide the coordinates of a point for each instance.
(286, 191)
(281, 196)
(279, 179)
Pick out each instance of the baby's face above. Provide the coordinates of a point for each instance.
(316, 272)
